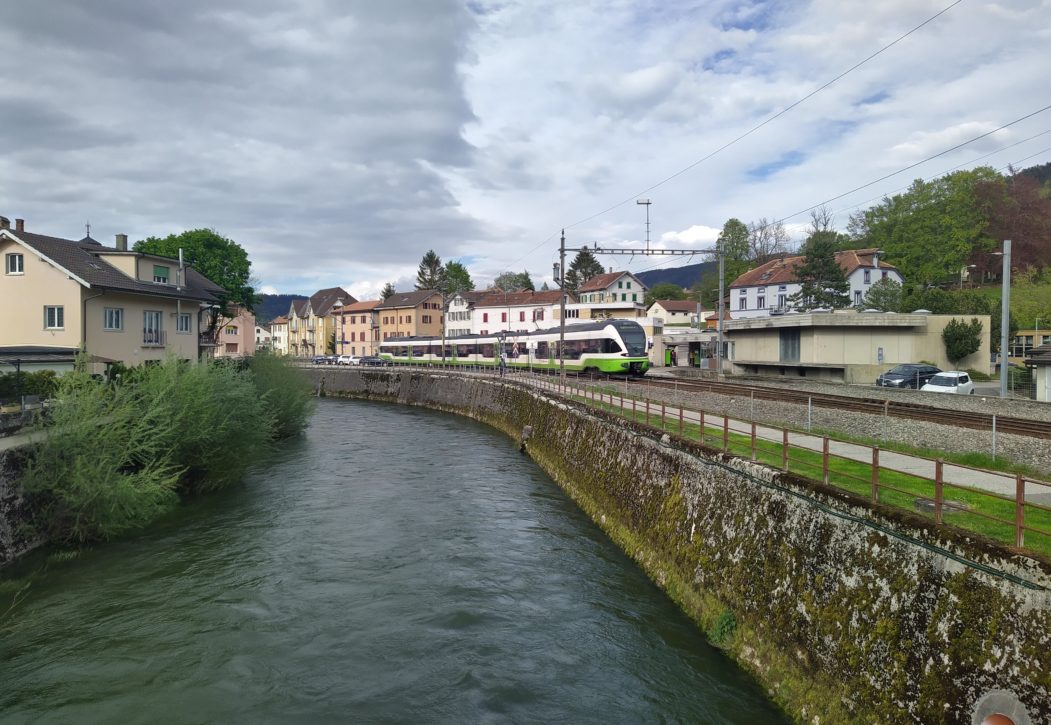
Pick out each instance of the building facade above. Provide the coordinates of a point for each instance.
(357, 328)
(279, 335)
(410, 314)
(676, 313)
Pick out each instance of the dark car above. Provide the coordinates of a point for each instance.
(910, 375)
(373, 361)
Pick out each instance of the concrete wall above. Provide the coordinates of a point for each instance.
(844, 611)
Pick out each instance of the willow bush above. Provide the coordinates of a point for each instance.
(114, 455)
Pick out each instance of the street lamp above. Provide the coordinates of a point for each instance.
(1005, 313)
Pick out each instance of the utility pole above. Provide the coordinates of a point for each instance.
(561, 280)
(722, 303)
(1005, 316)
(646, 203)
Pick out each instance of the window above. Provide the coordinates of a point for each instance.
(634, 297)
(620, 285)
(742, 304)
(883, 274)
(184, 323)
(503, 317)
(113, 318)
(857, 298)
(151, 327)
(231, 330)
(54, 318)
(760, 303)
(15, 264)
(521, 316)
(789, 340)
(160, 274)
(629, 285)
(782, 300)
(426, 319)
(868, 276)
(408, 319)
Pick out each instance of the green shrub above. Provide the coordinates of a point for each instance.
(723, 628)
(40, 382)
(978, 376)
(285, 394)
(100, 470)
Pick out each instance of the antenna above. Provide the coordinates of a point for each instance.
(87, 226)
(646, 203)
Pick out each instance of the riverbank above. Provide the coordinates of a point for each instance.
(845, 610)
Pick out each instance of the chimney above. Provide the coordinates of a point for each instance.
(875, 258)
(5, 223)
(122, 242)
(20, 225)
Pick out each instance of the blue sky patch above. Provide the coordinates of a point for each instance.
(764, 171)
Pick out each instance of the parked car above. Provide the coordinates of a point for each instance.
(951, 381)
(373, 361)
(349, 360)
(909, 375)
(319, 360)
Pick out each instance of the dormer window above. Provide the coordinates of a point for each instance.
(160, 274)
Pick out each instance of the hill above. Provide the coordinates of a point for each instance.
(271, 306)
(682, 276)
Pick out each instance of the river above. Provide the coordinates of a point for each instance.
(393, 565)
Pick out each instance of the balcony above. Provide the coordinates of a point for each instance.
(154, 338)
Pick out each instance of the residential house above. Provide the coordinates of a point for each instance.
(459, 318)
(612, 294)
(410, 314)
(768, 288)
(675, 312)
(357, 328)
(264, 338)
(279, 333)
(496, 311)
(116, 304)
(235, 336)
(311, 325)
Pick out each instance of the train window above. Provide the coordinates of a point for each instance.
(485, 349)
(542, 351)
(464, 350)
(435, 350)
(609, 345)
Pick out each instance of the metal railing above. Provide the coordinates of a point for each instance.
(154, 338)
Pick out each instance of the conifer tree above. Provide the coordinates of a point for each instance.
(822, 282)
(431, 273)
(583, 267)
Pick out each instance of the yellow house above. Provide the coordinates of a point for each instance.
(410, 314)
(311, 324)
(115, 304)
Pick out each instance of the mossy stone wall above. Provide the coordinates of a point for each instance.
(846, 612)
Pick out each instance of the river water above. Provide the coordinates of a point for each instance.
(393, 565)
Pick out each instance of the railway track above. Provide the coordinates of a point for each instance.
(873, 406)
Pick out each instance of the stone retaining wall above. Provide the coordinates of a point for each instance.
(16, 537)
(845, 610)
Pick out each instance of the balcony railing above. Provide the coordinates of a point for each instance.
(154, 338)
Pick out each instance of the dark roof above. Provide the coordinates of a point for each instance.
(783, 271)
(677, 305)
(321, 302)
(1039, 355)
(525, 297)
(300, 307)
(83, 261)
(406, 299)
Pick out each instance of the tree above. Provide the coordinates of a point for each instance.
(511, 281)
(544, 287)
(388, 291)
(431, 273)
(821, 279)
(884, 295)
(457, 279)
(961, 339)
(766, 240)
(583, 267)
(221, 260)
(664, 291)
(733, 243)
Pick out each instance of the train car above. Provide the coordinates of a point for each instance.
(613, 347)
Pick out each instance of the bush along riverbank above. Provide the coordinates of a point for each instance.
(116, 455)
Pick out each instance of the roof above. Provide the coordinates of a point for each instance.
(322, 301)
(363, 306)
(603, 281)
(677, 305)
(282, 320)
(783, 270)
(518, 299)
(300, 308)
(406, 299)
(84, 263)
(1039, 355)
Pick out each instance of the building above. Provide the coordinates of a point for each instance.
(613, 294)
(676, 313)
(521, 311)
(1026, 340)
(311, 325)
(279, 335)
(116, 304)
(264, 338)
(234, 336)
(357, 328)
(410, 314)
(846, 346)
(768, 289)
(1038, 360)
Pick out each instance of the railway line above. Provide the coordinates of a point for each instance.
(873, 406)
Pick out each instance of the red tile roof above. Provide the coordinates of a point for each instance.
(363, 306)
(783, 271)
(600, 282)
(282, 320)
(515, 299)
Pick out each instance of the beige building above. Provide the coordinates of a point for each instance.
(279, 335)
(609, 295)
(311, 324)
(357, 328)
(116, 304)
(410, 314)
(845, 346)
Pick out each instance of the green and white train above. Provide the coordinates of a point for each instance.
(614, 347)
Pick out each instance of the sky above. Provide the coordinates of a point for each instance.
(338, 141)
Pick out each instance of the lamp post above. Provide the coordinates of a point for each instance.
(1005, 314)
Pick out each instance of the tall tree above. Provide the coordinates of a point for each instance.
(221, 260)
(511, 281)
(766, 240)
(431, 273)
(884, 295)
(961, 339)
(664, 291)
(583, 267)
(388, 291)
(457, 278)
(733, 243)
(822, 282)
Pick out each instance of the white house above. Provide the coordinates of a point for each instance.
(264, 338)
(674, 312)
(613, 294)
(768, 289)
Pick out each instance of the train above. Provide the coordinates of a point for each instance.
(612, 347)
